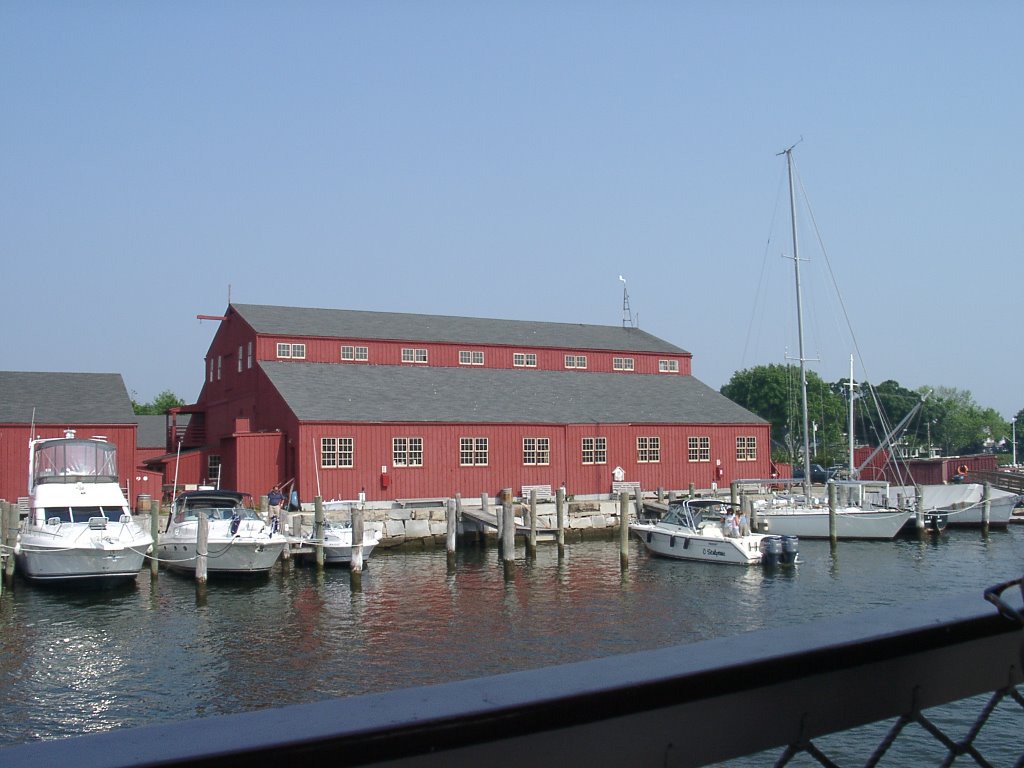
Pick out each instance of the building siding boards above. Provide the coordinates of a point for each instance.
(373, 402)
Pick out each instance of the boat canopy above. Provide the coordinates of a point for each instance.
(74, 461)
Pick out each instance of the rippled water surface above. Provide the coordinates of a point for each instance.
(73, 662)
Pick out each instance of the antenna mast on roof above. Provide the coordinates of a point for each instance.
(627, 314)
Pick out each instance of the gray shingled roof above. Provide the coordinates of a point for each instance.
(391, 393)
(354, 324)
(64, 398)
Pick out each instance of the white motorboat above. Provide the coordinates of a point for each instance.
(963, 504)
(79, 526)
(796, 517)
(696, 529)
(338, 542)
(239, 541)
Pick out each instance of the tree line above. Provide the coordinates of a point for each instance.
(941, 419)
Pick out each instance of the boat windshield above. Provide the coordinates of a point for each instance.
(213, 511)
(74, 461)
(53, 515)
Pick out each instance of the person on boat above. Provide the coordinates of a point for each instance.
(275, 499)
(732, 524)
(743, 521)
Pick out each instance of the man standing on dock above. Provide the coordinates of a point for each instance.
(275, 498)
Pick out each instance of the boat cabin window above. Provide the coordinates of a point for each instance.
(59, 514)
(74, 461)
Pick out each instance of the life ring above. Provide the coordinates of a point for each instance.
(962, 469)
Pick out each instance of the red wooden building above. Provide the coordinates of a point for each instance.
(46, 404)
(406, 406)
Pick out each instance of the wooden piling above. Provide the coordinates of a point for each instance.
(919, 508)
(661, 495)
(532, 548)
(9, 539)
(202, 539)
(154, 532)
(318, 530)
(560, 517)
(451, 528)
(832, 513)
(484, 508)
(358, 528)
(508, 532)
(692, 490)
(986, 506)
(624, 529)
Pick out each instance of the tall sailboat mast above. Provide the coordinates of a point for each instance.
(800, 326)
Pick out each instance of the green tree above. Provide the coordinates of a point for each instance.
(160, 405)
(773, 393)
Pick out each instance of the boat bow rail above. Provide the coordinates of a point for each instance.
(658, 707)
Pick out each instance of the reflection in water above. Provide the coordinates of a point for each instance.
(72, 663)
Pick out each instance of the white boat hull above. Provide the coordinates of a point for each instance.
(710, 549)
(338, 545)
(237, 556)
(851, 523)
(55, 560)
(964, 505)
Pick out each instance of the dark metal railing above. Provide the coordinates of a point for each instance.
(688, 705)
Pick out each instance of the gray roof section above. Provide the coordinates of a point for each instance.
(152, 431)
(392, 393)
(64, 398)
(356, 324)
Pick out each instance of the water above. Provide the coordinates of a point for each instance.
(77, 661)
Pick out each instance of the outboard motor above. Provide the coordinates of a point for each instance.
(790, 550)
(771, 550)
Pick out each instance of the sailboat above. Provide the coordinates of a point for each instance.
(866, 513)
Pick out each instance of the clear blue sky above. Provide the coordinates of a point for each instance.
(512, 160)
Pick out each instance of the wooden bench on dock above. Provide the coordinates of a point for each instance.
(544, 492)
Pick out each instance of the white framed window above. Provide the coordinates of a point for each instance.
(211, 370)
(668, 366)
(468, 357)
(746, 448)
(355, 354)
(524, 360)
(473, 451)
(536, 451)
(576, 361)
(239, 358)
(699, 449)
(248, 359)
(220, 365)
(595, 450)
(411, 355)
(337, 452)
(622, 363)
(648, 450)
(294, 351)
(407, 451)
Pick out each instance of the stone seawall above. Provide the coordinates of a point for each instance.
(426, 526)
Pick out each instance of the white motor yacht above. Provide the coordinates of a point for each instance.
(79, 525)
